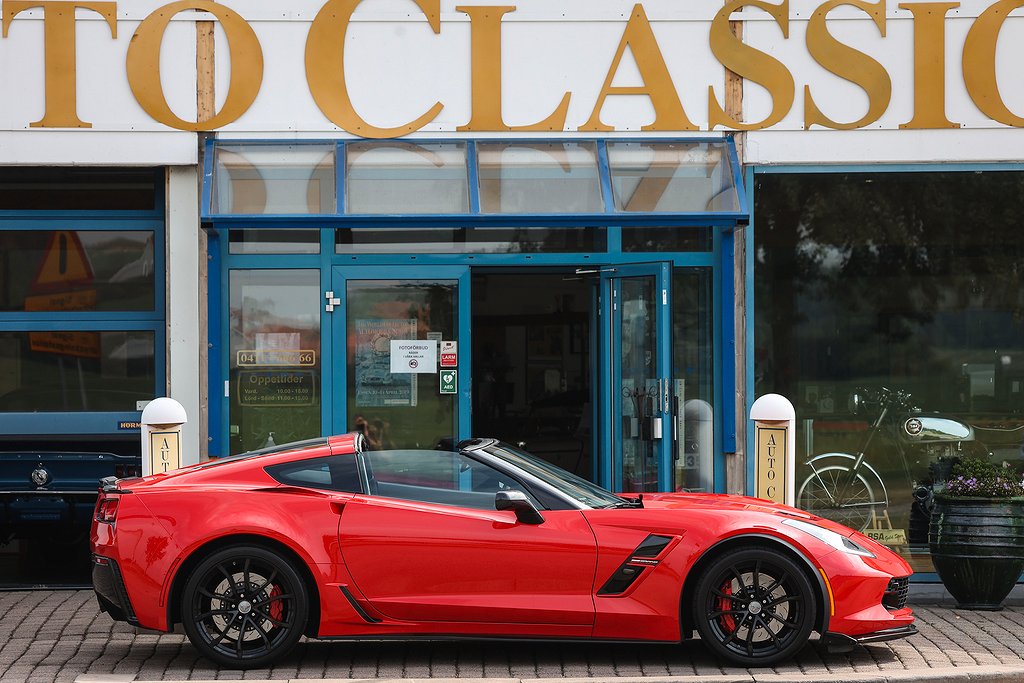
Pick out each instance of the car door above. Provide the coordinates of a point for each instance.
(423, 547)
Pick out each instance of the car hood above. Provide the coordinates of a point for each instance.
(745, 504)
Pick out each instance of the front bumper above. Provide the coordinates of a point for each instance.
(110, 590)
(839, 642)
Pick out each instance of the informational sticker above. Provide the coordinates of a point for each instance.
(435, 336)
(449, 381)
(449, 354)
(269, 388)
(413, 356)
(376, 386)
(887, 536)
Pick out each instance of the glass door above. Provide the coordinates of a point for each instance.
(635, 388)
(401, 354)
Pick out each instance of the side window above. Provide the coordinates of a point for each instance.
(335, 473)
(441, 477)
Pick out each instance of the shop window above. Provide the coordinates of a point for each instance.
(274, 179)
(681, 239)
(672, 177)
(556, 177)
(270, 241)
(470, 240)
(78, 189)
(402, 177)
(76, 270)
(75, 370)
(899, 281)
(275, 360)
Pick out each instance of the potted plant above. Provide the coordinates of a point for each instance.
(976, 534)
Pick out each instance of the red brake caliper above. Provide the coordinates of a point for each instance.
(728, 621)
(276, 608)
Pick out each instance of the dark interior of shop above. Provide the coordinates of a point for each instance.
(531, 363)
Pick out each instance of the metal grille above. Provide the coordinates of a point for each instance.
(896, 593)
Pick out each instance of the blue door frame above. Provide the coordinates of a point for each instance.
(610, 391)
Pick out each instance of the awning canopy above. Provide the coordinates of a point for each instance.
(474, 183)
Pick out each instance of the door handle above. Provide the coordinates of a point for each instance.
(337, 507)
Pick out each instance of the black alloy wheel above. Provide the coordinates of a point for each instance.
(244, 607)
(754, 606)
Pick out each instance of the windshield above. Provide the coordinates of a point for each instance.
(575, 487)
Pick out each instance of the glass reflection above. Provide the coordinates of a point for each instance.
(273, 179)
(275, 357)
(905, 282)
(676, 177)
(558, 177)
(401, 177)
(76, 270)
(75, 370)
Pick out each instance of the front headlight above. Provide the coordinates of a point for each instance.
(829, 537)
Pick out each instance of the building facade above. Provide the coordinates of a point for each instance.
(601, 229)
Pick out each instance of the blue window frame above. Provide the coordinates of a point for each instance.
(93, 335)
(616, 175)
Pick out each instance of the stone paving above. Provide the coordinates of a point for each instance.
(60, 636)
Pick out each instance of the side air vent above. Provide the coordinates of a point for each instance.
(640, 559)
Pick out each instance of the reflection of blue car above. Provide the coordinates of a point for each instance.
(374, 376)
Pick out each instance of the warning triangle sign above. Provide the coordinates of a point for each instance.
(65, 263)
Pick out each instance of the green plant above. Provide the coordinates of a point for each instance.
(981, 478)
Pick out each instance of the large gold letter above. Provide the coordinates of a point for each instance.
(144, 65)
(485, 25)
(658, 86)
(979, 63)
(750, 63)
(849, 64)
(325, 69)
(929, 64)
(61, 109)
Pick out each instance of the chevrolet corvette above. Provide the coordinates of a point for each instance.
(325, 539)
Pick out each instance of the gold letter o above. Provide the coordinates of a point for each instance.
(143, 64)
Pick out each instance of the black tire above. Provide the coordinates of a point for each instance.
(754, 606)
(244, 607)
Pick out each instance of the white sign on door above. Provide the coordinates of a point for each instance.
(412, 356)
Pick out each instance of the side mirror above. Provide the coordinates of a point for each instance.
(526, 513)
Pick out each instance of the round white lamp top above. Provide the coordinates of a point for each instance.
(772, 408)
(164, 411)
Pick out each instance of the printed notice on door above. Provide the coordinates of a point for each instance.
(376, 385)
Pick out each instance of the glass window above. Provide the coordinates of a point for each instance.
(334, 473)
(674, 177)
(898, 281)
(273, 179)
(76, 270)
(470, 240)
(275, 357)
(693, 378)
(398, 409)
(440, 477)
(75, 370)
(270, 241)
(78, 189)
(684, 239)
(540, 177)
(402, 177)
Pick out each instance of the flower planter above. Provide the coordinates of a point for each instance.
(977, 546)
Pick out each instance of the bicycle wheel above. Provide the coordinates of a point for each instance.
(819, 493)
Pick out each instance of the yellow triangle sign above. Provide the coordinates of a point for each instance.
(65, 262)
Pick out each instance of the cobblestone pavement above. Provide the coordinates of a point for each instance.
(61, 636)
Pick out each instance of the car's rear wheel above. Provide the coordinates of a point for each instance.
(754, 606)
(244, 606)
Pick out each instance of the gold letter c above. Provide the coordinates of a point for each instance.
(325, 69)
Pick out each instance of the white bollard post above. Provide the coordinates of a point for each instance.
(161, 435)
(774, 448)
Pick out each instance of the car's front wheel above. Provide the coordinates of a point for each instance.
(754, 606)
(244, 606)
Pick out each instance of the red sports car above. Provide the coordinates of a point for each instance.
(324, 539)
